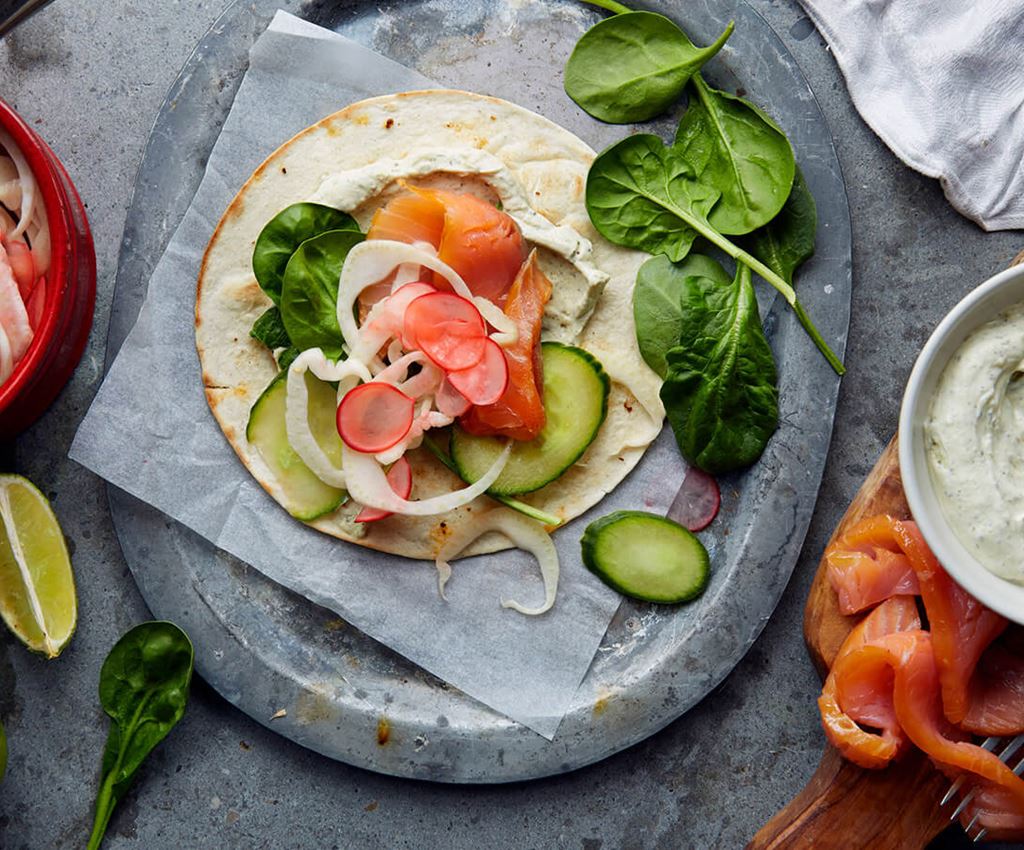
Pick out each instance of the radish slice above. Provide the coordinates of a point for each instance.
(526, 533)
(24, 269)
(447, 328)
(450, 401)
(386, 319)
(485, 382)
(374, 416)
(300, 436)
(400, 479)
(373, 260)
(367, 485)
(697, 501)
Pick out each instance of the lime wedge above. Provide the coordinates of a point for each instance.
(37, 588)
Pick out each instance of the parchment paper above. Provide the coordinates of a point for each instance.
(150, 432)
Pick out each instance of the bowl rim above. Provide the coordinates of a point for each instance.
(971, 312)
(39, 158)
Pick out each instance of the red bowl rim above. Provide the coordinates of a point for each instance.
(38, 156)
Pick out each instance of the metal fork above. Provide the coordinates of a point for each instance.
(1005, 754)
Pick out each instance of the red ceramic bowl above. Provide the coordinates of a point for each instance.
(67, 312)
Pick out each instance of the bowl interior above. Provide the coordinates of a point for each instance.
(983, 304)
(52, 196)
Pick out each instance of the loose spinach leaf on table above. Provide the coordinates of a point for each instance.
(634, 66)
(645, 195)
(787, 241)
(740, 151)
(657, 303)
(309, 296)
(270, 330)
(144, 685)
(720, 392)
(283, 234)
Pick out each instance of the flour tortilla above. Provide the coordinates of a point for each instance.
(551, 166)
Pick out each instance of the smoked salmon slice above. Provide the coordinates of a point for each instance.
(866, 566)
(519, 413)
(855, 693)
(961, 627)
(482, 243)
(931, 688)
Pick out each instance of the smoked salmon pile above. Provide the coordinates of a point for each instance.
(23, 265)
(929, 666)
(484, 246)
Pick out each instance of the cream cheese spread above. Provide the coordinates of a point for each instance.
(974, 441)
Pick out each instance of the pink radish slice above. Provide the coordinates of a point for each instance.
(23, 267)
(35, 304)
(400, 479)
(447, 328)
(450, 401)
(374, 416)
(697, 501)
(485, 382)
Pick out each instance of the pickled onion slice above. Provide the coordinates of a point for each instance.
(526, 533)
(400, 479)
(450, 401)
(6, 360)
(373, 260)
(13, 314)
(27, 181)
(374, 416)
(300, 435)
(485, 382)
(447, 328)
(368, 485)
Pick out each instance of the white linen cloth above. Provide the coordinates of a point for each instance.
(942, 83)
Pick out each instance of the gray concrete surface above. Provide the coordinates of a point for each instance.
(91, 77)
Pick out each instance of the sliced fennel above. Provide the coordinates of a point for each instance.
(525, 533)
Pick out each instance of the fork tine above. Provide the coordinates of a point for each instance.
(951, 793)
(980, 835)
(963, 805)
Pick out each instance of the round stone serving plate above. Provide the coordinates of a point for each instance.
(268, 650)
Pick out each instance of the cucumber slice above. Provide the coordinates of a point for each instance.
(575, 404)
(306, 497)
(646, 556)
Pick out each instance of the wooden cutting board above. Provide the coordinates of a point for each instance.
(846, 807)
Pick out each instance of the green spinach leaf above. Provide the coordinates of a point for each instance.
(787, 241)
(745, 155)
(144, 685)
(644, 195)
(287, 357)
(634, 66)
(284, 233)
(309, 296)
(270, 330)
(657, 303)
(720, 393)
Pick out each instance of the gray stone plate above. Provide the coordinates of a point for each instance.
(265, 648)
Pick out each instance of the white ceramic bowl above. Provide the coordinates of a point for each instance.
(983, 304)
